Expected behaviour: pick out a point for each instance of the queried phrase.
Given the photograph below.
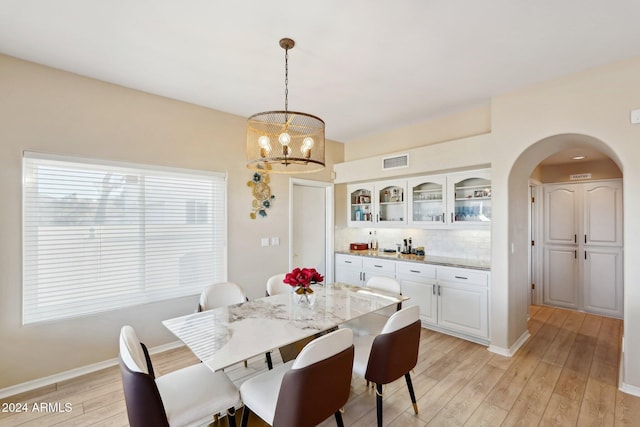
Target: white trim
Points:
(74, 373)
(511, 351)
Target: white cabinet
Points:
(418, 282)
(377, 204)
(463, 301)
(459, 199)
(356, 270)
(451, 300)
(583, 246)
(469, 194)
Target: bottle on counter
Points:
(370, 243)
(375, 241)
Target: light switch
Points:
(275, 241)
(264, 241)
(635, 116)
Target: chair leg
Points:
(411, 393)
(379, 404)
(338, 416)
(269, 362)
(245, 416)
(231, 417)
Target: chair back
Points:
(276, 286)
(318, 383)
(141, 395)
(395, 351)
(384, 283)
(221, 295)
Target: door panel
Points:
(561, 276)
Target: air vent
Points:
(395, 162)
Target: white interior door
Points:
(311, 226)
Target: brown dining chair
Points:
(391, 354)
(188, 396)
(307, 390)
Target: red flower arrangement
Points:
(302, 279)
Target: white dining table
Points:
(225, 336)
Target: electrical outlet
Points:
(635, 116)
(275, 241)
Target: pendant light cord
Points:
(286, 84)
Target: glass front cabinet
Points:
(470, 194)
(452, 200)
(377, 204)
(427, 200)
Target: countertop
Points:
(425, 259)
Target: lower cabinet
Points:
(452, 300)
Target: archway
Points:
(519, 216)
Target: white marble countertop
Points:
(424, 259)
(228, 335)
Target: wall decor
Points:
(262, 197)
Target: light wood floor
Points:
(565, 375)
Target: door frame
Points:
(329, 221)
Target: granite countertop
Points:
(424, 259)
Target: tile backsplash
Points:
(468, 244)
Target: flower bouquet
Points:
(302, 279)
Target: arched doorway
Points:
(519, 211)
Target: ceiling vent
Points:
(395, 162)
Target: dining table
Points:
(228, 335)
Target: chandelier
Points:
(285, 141)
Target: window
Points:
(99, 236)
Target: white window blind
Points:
(99, 236)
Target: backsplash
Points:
(464, 244)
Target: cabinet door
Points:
(561, 276)
(390, 203)
(349, 269)
(602, 269)
(561, 214)
(471, 196)
(602, 213)
(422, 294)
(360, 211)
(427, 196)
(463, 308)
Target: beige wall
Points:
(592, 109)
(599, 169)
(51, 111)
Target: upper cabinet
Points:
(454, 200)
(377, 204)
(427, 200)
(471, 195)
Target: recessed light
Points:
(578, 157)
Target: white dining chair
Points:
(307, 390)
(275, 285)
(372, 323)
(221, 294)
(186, 397)
(391, 354)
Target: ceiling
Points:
(363, 66)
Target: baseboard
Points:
(509, 352)
(73, 373)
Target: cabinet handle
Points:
(438, 290)
(452, 217)
(585, 255)
(347, 262)
(575, 238)
(575, 254)
(461, 277)
(415, 271)
(443, 217)
(433, 289)
(377, 217)
(585, 239)
(377, 266)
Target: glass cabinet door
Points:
(391, 203)
(472, 200)
(360, 205)
(427, 204)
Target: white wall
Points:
(46, 110)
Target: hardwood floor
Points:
(565, 375)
